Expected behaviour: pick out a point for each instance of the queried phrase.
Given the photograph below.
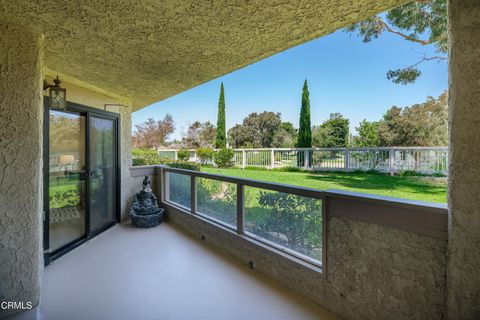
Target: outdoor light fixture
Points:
(66, 160)
(58, 95)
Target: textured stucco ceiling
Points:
(149, 50)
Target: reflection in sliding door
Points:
(102, 172)
(67, 183)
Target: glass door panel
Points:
(66, 183)
(102, 172)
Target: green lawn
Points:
(432, 189)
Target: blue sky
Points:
(344, 75)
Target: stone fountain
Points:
(145, 212)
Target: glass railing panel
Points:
(218, 200)
(179, 189)
(287, 220)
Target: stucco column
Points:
(463, 270)
(127, 189)
(21, 110)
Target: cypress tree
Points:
(221, 138)
(305, 130)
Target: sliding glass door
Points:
(81, 176)
(67, 183)
(102, 172)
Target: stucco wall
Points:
(464, 172)
(21, 112)
(373, 272)
(125, 159)
(376, 272)
(21, 141)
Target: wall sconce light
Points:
(58, 95)
(67, 160)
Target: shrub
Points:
(364, 172)
(65, 198)
(138, 162)
(292, 221)
(217, 199)
(290, 169)
(184, 165)
(137, 152)
(205, 155)
(411, 173)
(224, 158)
(146, 160)
(183, 155)
(254, 168)
(145, 157)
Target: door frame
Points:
(87, 111)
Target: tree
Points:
(424, 124)
(239, 136)
(65, 133)
(412, 22)
(257, 131)
(305, 130)
(153, 134)
(333, 133)
(285, 136)
(200, 135)
(221, 138)
(367, 134)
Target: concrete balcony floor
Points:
(161, 273)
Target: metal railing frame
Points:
(424, 218)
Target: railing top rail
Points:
(279, 187)
(324, 149)
(431, 207)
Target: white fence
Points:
(427, 160)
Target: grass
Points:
(431, 189)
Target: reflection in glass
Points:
(66, 178)
(102, 172)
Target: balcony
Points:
(162, 273)
(368, 257)
(380, 258)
